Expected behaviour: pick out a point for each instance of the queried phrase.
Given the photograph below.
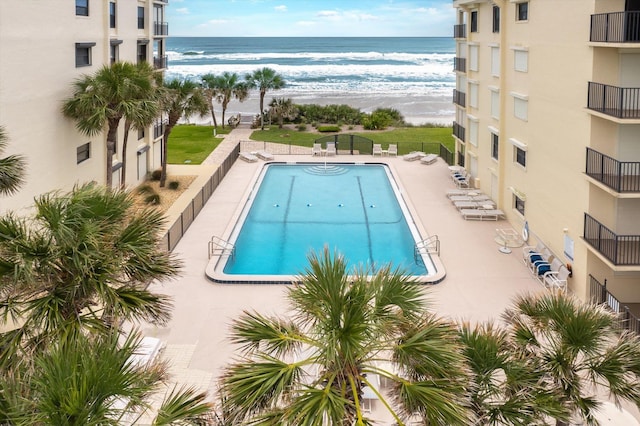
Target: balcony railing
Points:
(160, 28)
(460, 31)
(459, 98)
(619, 249)
(617, 27)
(460, 159)
(622, 176)
(599, 295)
(458, 131)
(460, 64)
(618, 102)
(158, 129)
(160, 62)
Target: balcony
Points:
(158, 129)
(459, 98)
(621, 176)
(617, 27)
(619, 102)
(160, 62)
(621, 250)
(460, 31)
(160, 28)
(460, 64)
(628, 314)
(458, 131)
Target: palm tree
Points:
(180, 98)
(210, 91)
(506, 389)
(230, 87)
(144, 111)
(95, 381)
(12, 168)
(81, 263)
(281, 108)
(579, 349)
(264, 79)
(103, 99)
(343, 333)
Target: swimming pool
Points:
(356, 209)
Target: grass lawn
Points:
(192, 144)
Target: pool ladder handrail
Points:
(220, 247)
(430, 245)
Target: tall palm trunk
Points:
(123, 175)
(172, 121)
(112, 137)
(224, 109)
(262, 93)
(213, 114)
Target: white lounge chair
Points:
(248, 157)
(331, 148)
(392, 150)
(377, 149)
(464, 191)
(485, 205)
(481, 214)
(265, 155)
(429, 159)
(479, 197)
(317, 149)
(413, 156)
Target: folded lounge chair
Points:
(248, 157)
(413, 156)
(485, 205)
(331, 148)
(392, 150)
(479, 197)
(482, 214)
(429, 159)
(464, 191)
(377, 149)
(265, 155)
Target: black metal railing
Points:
(619, 249)
(618, 102)
(460, 158)
(459, 98)
(160, 62)
(598, 295)
(158, 129)
(622, 176)
(460, 31)
(616, 27)
(160, 28)
(460, 64)
(458, 131)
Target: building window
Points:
(521, 60)
(140, 133)
(474, 21)
(495, 146)
(522, 11)
(142, 50)
(495, 61)
(520, 107)
(113, 53)
(82, 7)
(473, 132)
(521, 156)
(112, 14)
(496, 19)
(83, 54)
(141, 17)
(518, 204)
(473, 58)
(495, 104)
(473, 95)
(83, 152)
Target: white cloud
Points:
(305, 23)
(218, 21)
(281, 8)
(327, 13)
(182, 11)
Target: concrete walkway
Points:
(480, 280)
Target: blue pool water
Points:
(298, 208)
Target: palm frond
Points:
(184, 406)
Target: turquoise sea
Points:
(412, 74)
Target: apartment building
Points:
(44, 47)
(548, 123)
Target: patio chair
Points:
(557, 279)
(429, 159)
(541, 265)
(377, 149)
(265, 155)
(529, 251)
(413, 156)
(248, 157)
(317, 149)
(392, 150)
(331, 148)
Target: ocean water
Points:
(414, 75)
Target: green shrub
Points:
(378, 120)
(302, 127)
(145, 189)
(174, 184)
(324, 129)
(156, 174)
(152, 199)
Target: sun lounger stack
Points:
(482, 214)
(480, 205)
(413, 156)
(248, 157)
(429, 159)
(265, 155)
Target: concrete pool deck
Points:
(480, 281)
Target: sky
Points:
(310, 18)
